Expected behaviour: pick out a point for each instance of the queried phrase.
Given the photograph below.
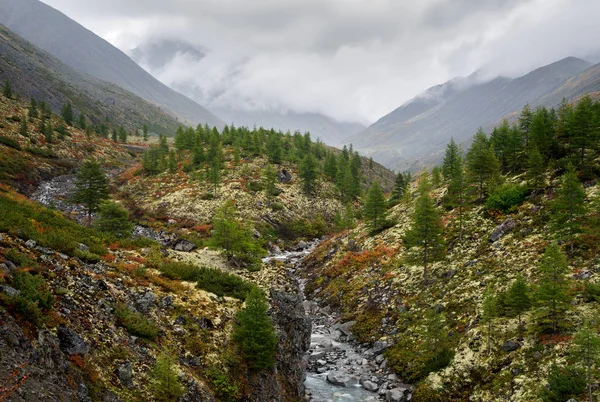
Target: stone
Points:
(302, 245)
(346, 327)
(321, 362)
(83, 247)
(397, 395)
(10, 265)
(316, 356)
(502, 229)
(510, 346)
(145, 301)
(166, 301)
(283, 176)
(185, 246)
(124, 373)
(379, 359)
(341, 378)
(370, 386)
(352, 246)
(30, 244)
(438, 308)
(71, 343)
(378, 348)
(4, 270)
(392, 377)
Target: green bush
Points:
(210, 279)
(9, 142)
(254, 186)
(44, 153)
(19, 259)
(86, 256)
(165, 384)
(563, 384)
(591, 291)
(506, 197)
(224, 388)
(33, 288)
(114, 219)
(135, 323)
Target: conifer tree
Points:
(309, 173)
(145, 133)
(568, 208)
(535, 168)
(165, 382)
(254, 333)
(49, 133)
(586, 349)
(24, 131)
(274, 151)
(172, 162)
(81, 121)
(7, 90)
(525, 120)
(584, 128)
(551, 297)
(400, 186)
(518, 300)
(452, 160)
(67, 113)
(115, 135)
(348, 218)
(32, 111)
(122, 134)
(375, 208)
(236, 155)
(489, 312)
(331, 169)
(436, 177)
(482, 164)
(456, 195)
(198, 155)
(91, 187)
(114, 219)
(426, 229)
(269, 176)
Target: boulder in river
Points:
(397, 395)
(341, 378)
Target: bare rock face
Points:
(502, 229)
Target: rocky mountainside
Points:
(81, 49)
(34, 73)
(414, 135)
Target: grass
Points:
(210, 279)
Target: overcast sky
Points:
(353, 60)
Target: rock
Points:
(284, 176)
(470, 263)
(302, 245)
(510, 346)
(30, 244)
(124, 373)
(379, 359)
(184, 245)
(346, 327)
(379, 347)
(256, 234)
(370, 386)
(316, 356)
(145, 301)
(583, 275)
(352, 246)
(438, 308)
(392, 377)
(537, 356)
(502, 229)
(341, 378)
(397, 395)
(4, 270)
(449, 274)
(10, 265)
(101, 285)
(71, 343)
(166, 302)
(83, 247)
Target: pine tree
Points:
(269, 176)
(81, 121)
(586, 349)
(330, 169)
(584, 128)
(400, 186)
(165, 382)
(568, 209)
(32, 111)
(236, 155)
(535, 168)
(24, 129)
(518, 299)
(91, 187)
(375, 208)
(114, 219)
(426, 229)
(274, 149)
(67, 113)
(525, 120)
(254, 333)
(115, 135)
(309, 173)
(452, 160)
(172, 162)
(436, 177)
(145, 133)
(489, 312)
(551, 296)
(122, 134)
(49, 133)
(347, 220)
(482, 164)
(7, 90)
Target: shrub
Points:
(563, 383)
(44, 153)
(9, 142)
(254, 186)
(506, 197)
(135, 323)
(34, 289)
(114, 219)
(223, 387)
(19, 259)
(165, 383)
(210, 279)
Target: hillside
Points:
(84, 51)
(35, 73)
(414, 135)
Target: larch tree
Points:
(488, 313)
(375, 210)
(309, 172)
(518, 299)
(426, 229)
(91, 187)
(67, 113)
(586, 349)
(482, 164)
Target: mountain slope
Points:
(415, 134)
(34, 73)
(83, 50)
(156, 56)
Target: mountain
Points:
(155, 56)
(415, 134)
(35, 73)
(81, 49)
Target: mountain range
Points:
(414, 135)
(86, 52)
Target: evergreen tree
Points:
(122, 134)
(568, 209)
(115, 136)
(145, 133)
(525, 121)
(274, 151)
(375, 209)
(400, 186)
(198, 156)
(542, 132)
(456, 195)
(489, 312)
(114, 219)
(269, 176)
(91, 187)
(452, 160)
(214, 173)
(347, 220)
(32, 111)
(172, 162)
(67, 113)
(165, 382)
(152, 160)
(81, 121)
(518, 300)
(331, 169)
(584, 128)
(7, 90)
(551, 296)
(24, 131)
(254, 333)
(436, 176)
(49, 133)
(587, 350)
(482, 164)
(426, 229)
(535, 168)
(309, 173)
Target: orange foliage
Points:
(554, 339)
(380, 255)
(204, 229)
(109, 257)
(77, 360)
